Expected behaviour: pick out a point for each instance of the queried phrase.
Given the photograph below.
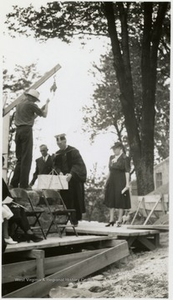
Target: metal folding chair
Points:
(23, 198)
(60, 215)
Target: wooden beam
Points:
(147, 243)
(45, 77)
(152, 210)
(56, 241)
(40, 257)
(130, 240)
(20, 271)
(82, 269)
(140, 200)
(152, 227)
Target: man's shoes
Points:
(74, 223)
(10, 241)
(34, 238)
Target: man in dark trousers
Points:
(68, 161)
(44, 164)
(26, 112)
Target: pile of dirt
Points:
(142, 274)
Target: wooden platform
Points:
(57, 261)
(56, 241)
(152, 227)
(43, 270)
(149, 238)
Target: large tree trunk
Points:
(141, 143)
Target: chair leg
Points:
(37, 221)
(57, 227)
(74, 229)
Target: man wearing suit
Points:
(44, 164)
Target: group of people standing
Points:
(67, 161)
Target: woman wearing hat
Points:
(117, 185)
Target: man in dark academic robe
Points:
(44, 164)
(68, 161)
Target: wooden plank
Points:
(151, 200)
(157, 240)
(148, 227)
(163, 221)
(45, 77)
(100, 229)
(82, 269)
(140, 200)
(147, 243)
(152, 210)
(24, 270)
(56, 241)
(131, 240)
(58, 263)
(18, 271)
(40, 257)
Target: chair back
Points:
(29, 199)
(20, 196)
(53, 199)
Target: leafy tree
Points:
(123, 22)
(94, 197)
(105, 110)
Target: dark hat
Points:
(61, 136)
(117, 145)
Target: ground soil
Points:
(143, 274)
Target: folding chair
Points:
(60, 215)
(22, 198)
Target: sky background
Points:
(74, 89)
(75, 86)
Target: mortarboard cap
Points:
(61, 136)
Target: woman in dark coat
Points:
(117, 185)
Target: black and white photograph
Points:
(86, 149)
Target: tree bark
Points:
(141, 142)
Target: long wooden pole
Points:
(34, 86)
